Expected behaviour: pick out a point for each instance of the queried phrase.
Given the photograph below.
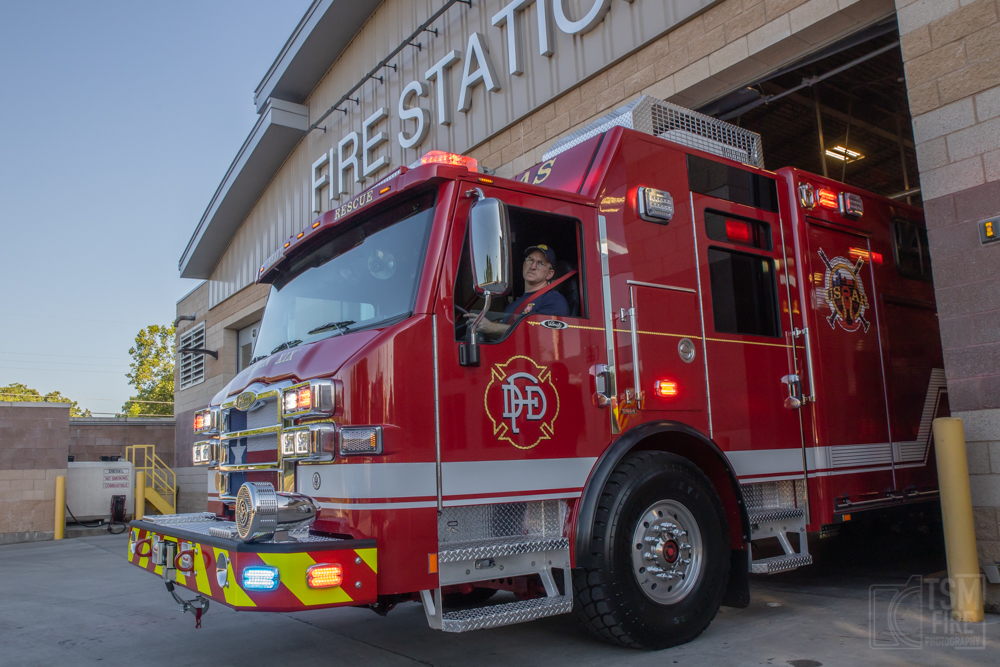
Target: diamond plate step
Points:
(502, 547)
(509, 613)
(782, 563)
(765, 514)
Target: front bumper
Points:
(213, 566)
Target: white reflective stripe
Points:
(511, 499)
(758, 462)
(462, 478)
(370, 480)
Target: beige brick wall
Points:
(34, 441)
(221, 325)
(732, 43)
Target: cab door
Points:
(522, 425)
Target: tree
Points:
(22, 393)
(152, 372)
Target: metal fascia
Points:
(326, 29)
(276, 133)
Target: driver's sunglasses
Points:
(536, 262)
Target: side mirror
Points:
(489, 235)
(489, 238)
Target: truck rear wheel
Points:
(660, 541)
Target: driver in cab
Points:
(538, 270)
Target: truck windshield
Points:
(364, 276)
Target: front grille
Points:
(256, 449)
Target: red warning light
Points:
(827, 199)
(666, 388)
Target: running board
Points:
(777, 522)
(473, 563)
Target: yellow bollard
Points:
(60, 531)
(140, 495)
(959, 527)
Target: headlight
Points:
(201, 453)
(309, 399)
(313, 441)
(208, 420)
(360, 440)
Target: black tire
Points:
(608, 598)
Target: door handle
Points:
(794, 400)
(604, 385)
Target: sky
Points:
(117, 123)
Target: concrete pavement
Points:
(77, 602)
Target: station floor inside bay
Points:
(77, 602)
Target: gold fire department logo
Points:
(521, 392)
(245, 400)
(845, 293)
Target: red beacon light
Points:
(442, 157)
(827, 199)
(666, 388)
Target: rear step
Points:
(777, 522)
(500, 559)
(782, 563)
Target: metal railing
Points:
(159, 477)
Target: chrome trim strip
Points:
(437, 412)
(258, 467)
(609, 318)
(701, 311)
(264, 430)
(639, 283)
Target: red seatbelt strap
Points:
(534, 297)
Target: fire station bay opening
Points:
(841, 112)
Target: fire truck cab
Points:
(745, 357)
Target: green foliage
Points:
(152, 372)
(22, 393)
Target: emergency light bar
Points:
(849, 204)
(441, 157)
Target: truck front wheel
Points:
(662, 554)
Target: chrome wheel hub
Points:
(667, 554)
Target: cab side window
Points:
(528, 228)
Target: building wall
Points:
(93, 437)
(732, 42)
(953, 81)
(34, 446)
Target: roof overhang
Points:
(278, 130)
(317, 41)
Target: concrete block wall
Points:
(34, 441)
(192, 485)
(93, 437)
(953, 82)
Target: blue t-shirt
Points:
(550, 303)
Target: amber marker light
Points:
(827, 199)
(385, 189)
(316, 224)
(666, 388)
(288, 243)
(325, 575)
(487, 181)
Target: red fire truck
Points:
(749, 357)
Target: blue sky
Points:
(118, 122)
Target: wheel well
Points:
(675, 438)
(715, 468)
